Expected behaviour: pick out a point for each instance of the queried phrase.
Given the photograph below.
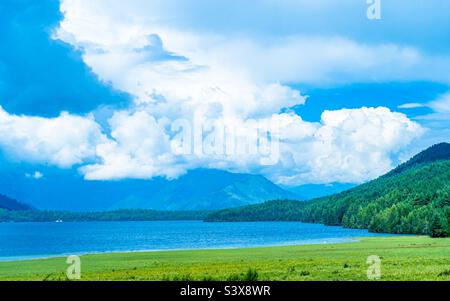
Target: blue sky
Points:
(95, 87)
(40, 75)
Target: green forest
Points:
(412, 199)
(118, 215)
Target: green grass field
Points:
(403, 258)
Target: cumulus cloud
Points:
(345, 146)
(353, 146)
(138, 148)
(179, 75)
(176, 72)
(62, 141)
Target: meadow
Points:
(402, 258)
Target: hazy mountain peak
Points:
(11, 204)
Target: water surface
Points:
(38, 240)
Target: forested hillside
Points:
(280, 210)
(416, 201)
(412, 199)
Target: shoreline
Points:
(328, 241)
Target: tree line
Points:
(414, 201)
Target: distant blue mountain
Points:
(312, 191)
(198, 190)
(7, 203)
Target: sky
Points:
(115, 90)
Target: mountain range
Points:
(200, 189)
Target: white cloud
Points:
(138, 148)
(412, 105)
(442, 104)
(63, 141)
(439, 119)
(179, 73)
(111, 35)
(356, 145)
(438, 123)
(37, 175)
(346, 146)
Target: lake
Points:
(38, 240)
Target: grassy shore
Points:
(403, 258)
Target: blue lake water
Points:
(37, 240)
